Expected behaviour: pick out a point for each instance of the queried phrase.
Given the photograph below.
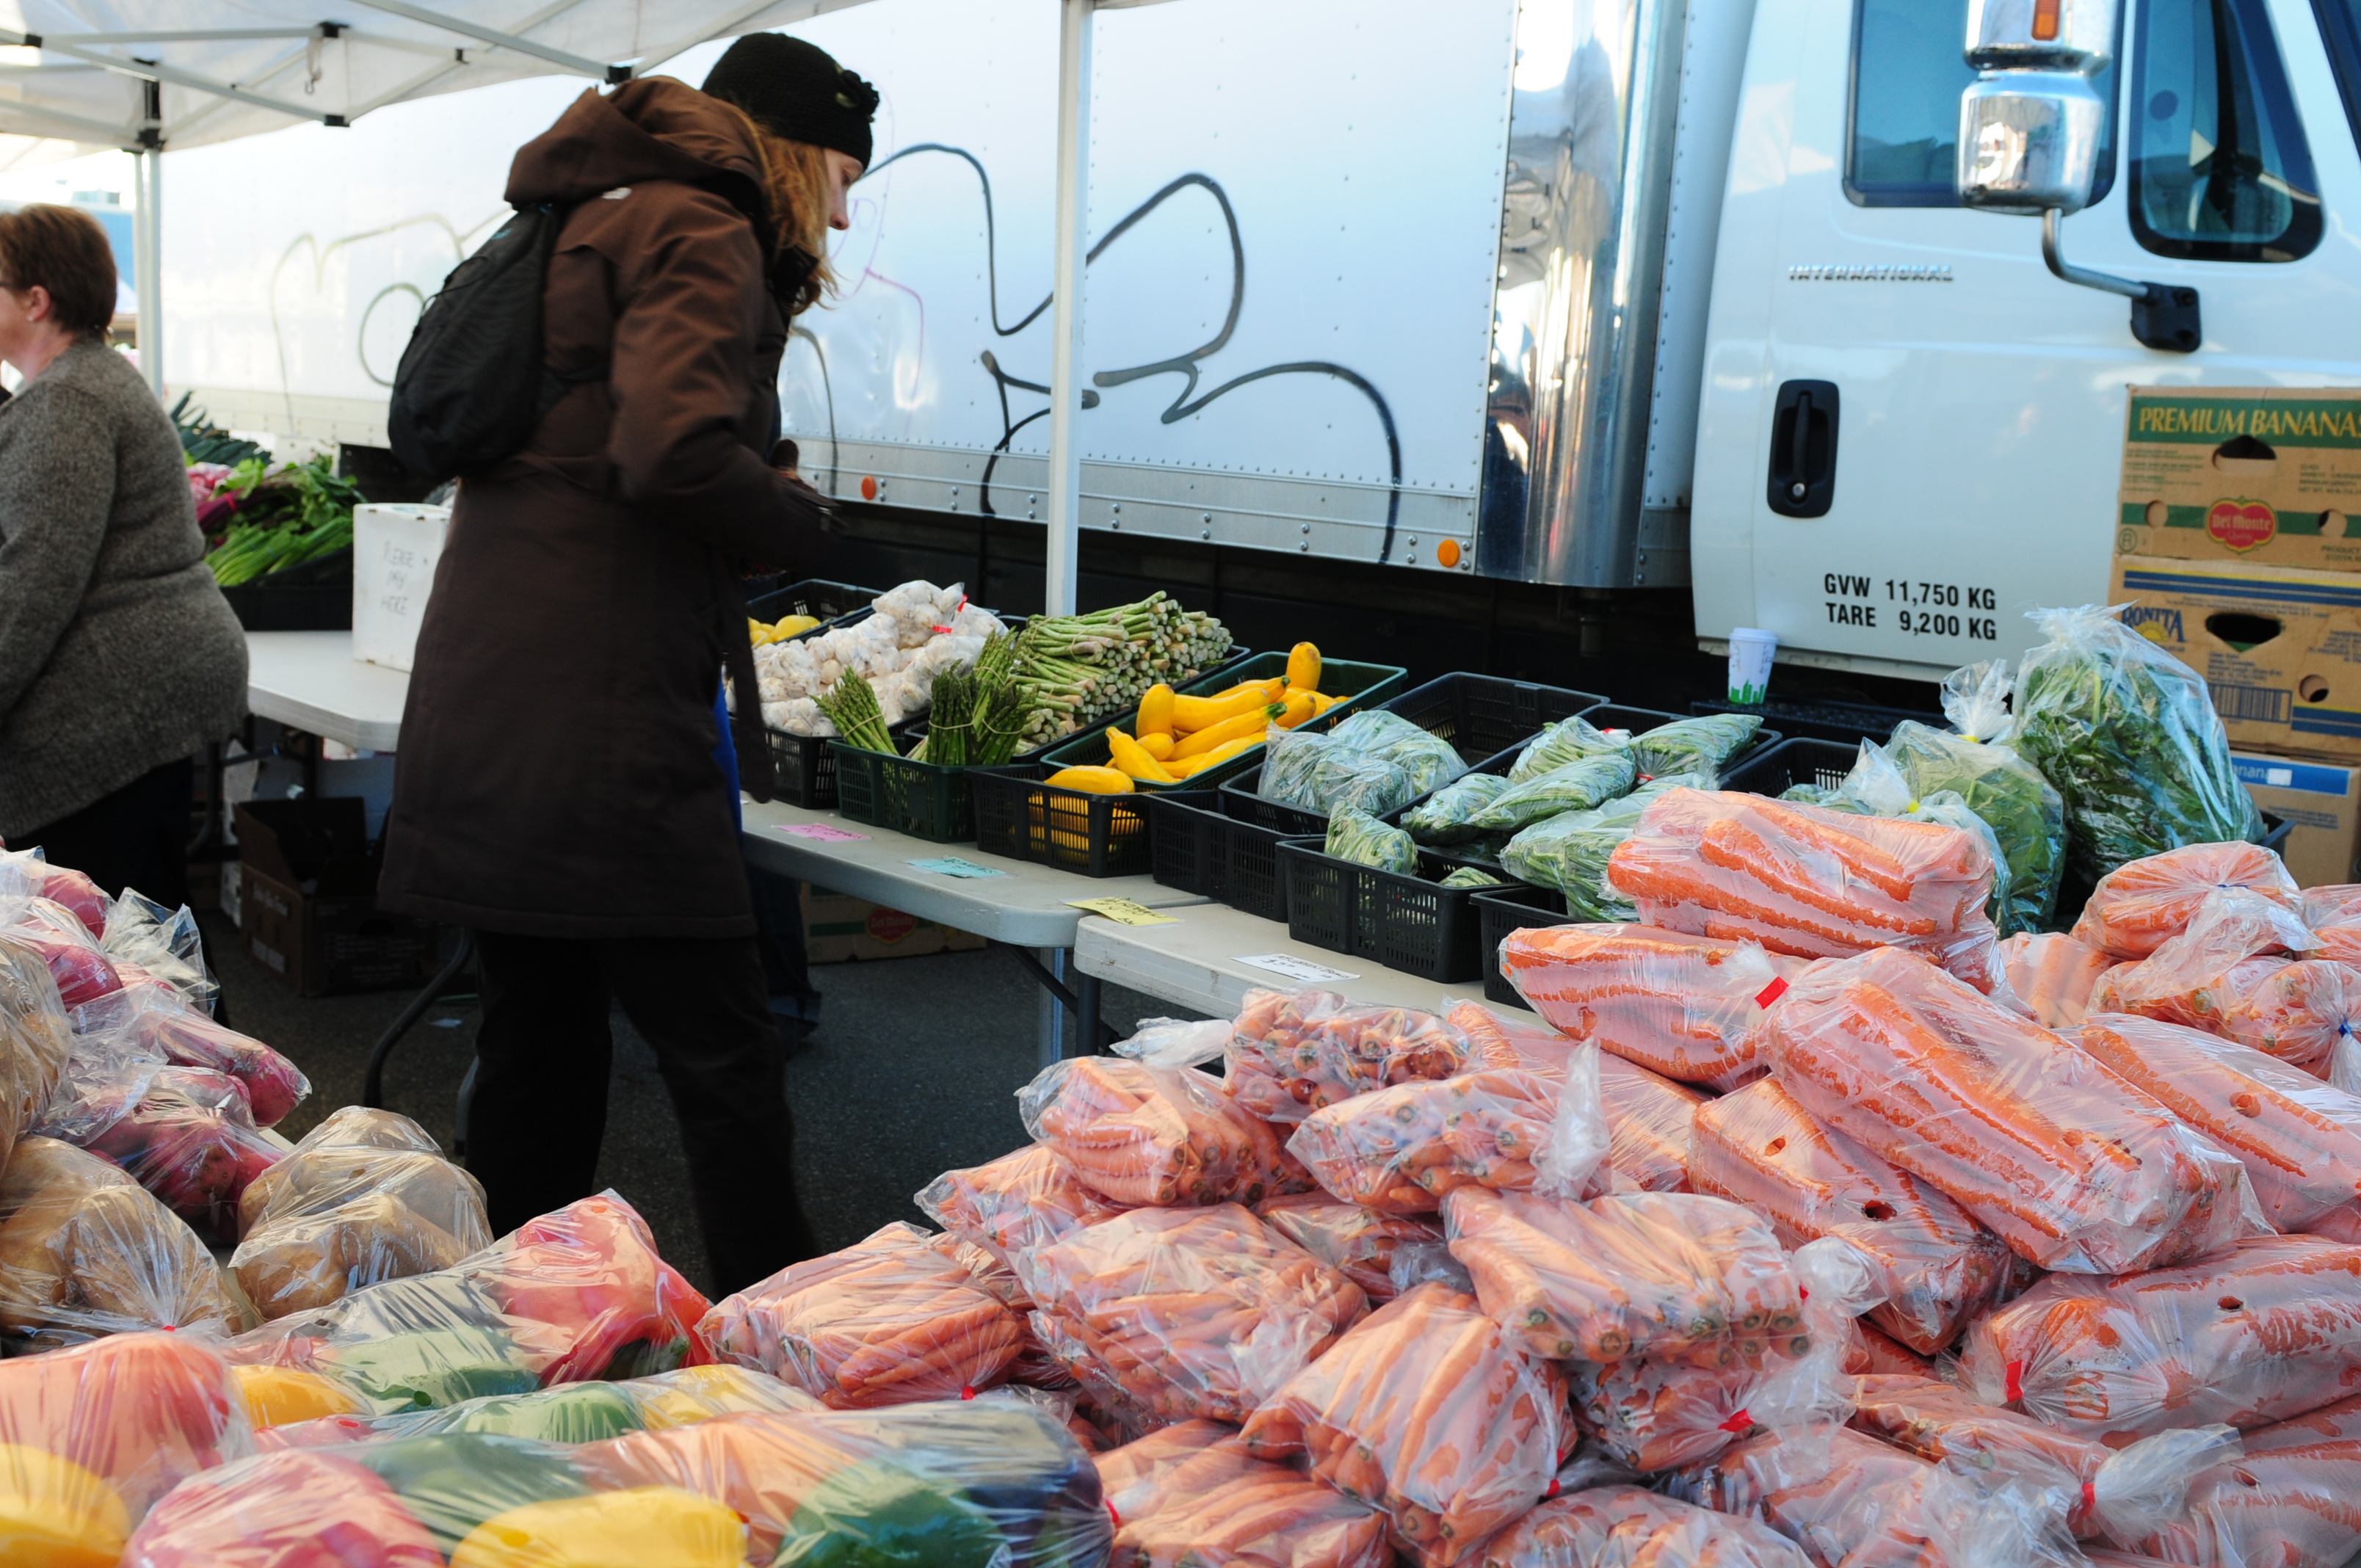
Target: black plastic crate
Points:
(1018, 816)
(1774, 770)
(813, 596)
(926, 800)
(1199, 843)
(1845, 721)
(803, 767)
(316, 596)
(1408, 922)
(1500, 910)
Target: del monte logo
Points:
(2242, 524)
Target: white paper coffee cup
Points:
(1751, 648)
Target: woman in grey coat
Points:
(119, 658)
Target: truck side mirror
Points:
(2030, 129)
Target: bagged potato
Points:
(86, 1251)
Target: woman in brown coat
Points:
(555, 789)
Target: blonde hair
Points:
(796, 199)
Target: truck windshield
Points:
(2220, 167)
(1909, 66)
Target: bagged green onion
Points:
(1361, 839)
(1567, 741)
(1703, 745)
(1442, 817)
(1578, 786)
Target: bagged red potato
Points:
(2071, 1167)
(1019, 1201)
(1400, 1150)
(1668, 1276)
(1194, 1497)
(1153, 1137)
(85, 1251)
(1630, 1527)
(142, 1025)
(1677, 1004)
(1935, 1267)
(2052, 974)
(29, 873)
(1185, 1312)
(2287, 1500)
(1358, 1242)
(183, 1133)
(1810, 881)
(75, 961)
(2299, 1138)
(1428, 1411)
(1291, 1052)
(888, 1321)
(35, 1041)
(2144, 904)
(2264, 1329)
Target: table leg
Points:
(1052, 1037)
(1086, 1015)
(373, 1082)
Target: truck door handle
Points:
(1804, 449)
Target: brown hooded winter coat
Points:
(555, 775)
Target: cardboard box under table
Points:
(308, 904)
(839, 927)
(2269, 476)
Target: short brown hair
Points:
(65, 251)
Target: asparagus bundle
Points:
(975, 716)
(1081, 670)
(851, 706)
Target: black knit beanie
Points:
(796, 90)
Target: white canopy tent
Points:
(147, 75)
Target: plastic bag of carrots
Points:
(2070, 1166)
(2051, 975)
(1870, 1352)
(1023, 1200)
(1935, 1267)
(1358, 1242)
(2287, 1501)
(2121, 1495)
(1494, 1041)
(1428, 1411)
(1668, 1276)
(1290, 1053)
(1400, 1150)
(2144, 904)
(1648, 1115)
(2334, 912)
(1192, 1495)
(1622, 1526)
(1153, 1137)
(1186, 1312)
(2233, 940)
(1809, 882)
(2265, 1330)
(1678, 1004)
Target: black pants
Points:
(544, 1055)
(137, 836)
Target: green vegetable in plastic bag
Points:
(1361, 839)
(1429, 760)
(1703, 745)
(1578, 786)
(1442, 817)
(1472, 876)
(1814, 794)
(2129, 737)
(1569, 852)
(1567, 741)
(1372, 761)
(1982, 764)
(877, 1515)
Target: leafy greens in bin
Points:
(1361, 839)
(1579, 785)
(2128, 735)
(1569, 851)
(1567, 741)
(1373, 762)
(1446, 816)
(1703, 746)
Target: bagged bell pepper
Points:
(1935, 1267)
(2263, 1331)
(85, 1251)
(1400, 1150)
(590, 1272)
(1290, 1053)
(138, 1024)
(1356, 1241)
(186, 1133)
(2287, 1501)
(1668, 1276)
(93, 1435)
(1141, 1135)
(1428, 1411)
(1630, 1527)
(887, 1321)
(75, 961)
(1186, 1312)
(1023, 1200)
(2051, 976)
(284, 1510)
(2068, 1164)
(2144, 904)
(570, 1413)
(1678, 1004)
(1194, 1497)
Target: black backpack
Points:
(471, 386)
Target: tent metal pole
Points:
(467, 28)
(1066, 319)
(152, 71)
(148, 263)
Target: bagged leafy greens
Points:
(1705, 745)
(1442, 817)
(1578, 786)
(1472, 876)
(1978, 759)
(2128, 735)
(1373, 761)
(1569, 852)
(1361, 839)
(1567, 741)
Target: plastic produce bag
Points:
(991, 1480)
(2286, 1501)
(1373, 761)
(1194, 1497)
(1703, 745)
(1679, 1004)
(2070, 1166)
(888, 1321)
(2264, 1329)
(2233, 940)
(1651, 1123)
(1935, 1266)
(1290, 1053)
(1471, 876)
(2119, 1494)
(568, 1413)
(28, 873)
(1427, 1410)
(1809, 882)
(183, 1133)
(1664, 1275)
(80, 966)
(1399, 1150)
(1358, 1242)
(1567, 741)
(1014, 1203)
(1872, 1353)
(35, 1041)
(1880, 789)
(1185, 1313)
(2051, 976)
(1976, 758)
(1630, 1527)
(1148, 1135)
(85, 1251)
(2129, 736)
(162, 943)
(1581, 786)
(1494, 1041)
(2139, 907)
(1570, 852)
(141, 1023)
(1356, 837)
(1444, 817)
(332, 1217)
